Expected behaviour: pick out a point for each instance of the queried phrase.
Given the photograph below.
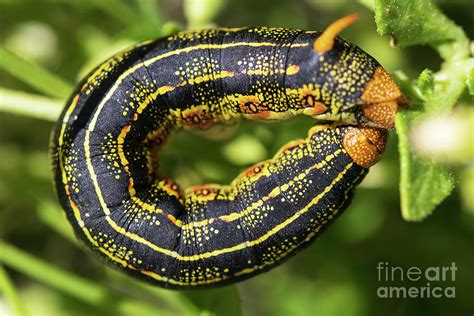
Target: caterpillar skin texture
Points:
(106, 170)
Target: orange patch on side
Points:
(84, 86)
(307, 96)
(365, 145)
(249, 104)
(123, 132)
(253, 170)
(196, 118)
(317, 108)
(253, 173)
(203, 192)
(256, 171)
(170, 187)
(131, 188)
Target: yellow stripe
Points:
(210, 77)
(250, 270)
(240, 246)
(73, 205)
(90, 167)
(274, 193)
(177, 52)
(105, 209)
(123, 134)
(139, 239)
(114, 258)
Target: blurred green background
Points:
(48, 274)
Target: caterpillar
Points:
(104, 149)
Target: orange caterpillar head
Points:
(381, 99)
(365, 145)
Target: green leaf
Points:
(150, 11)
(368, 3)
(10, 294)
(245, 150)
(221, 301)
(412, 22)
(87, 291)
(52, 216)
(426, 82)
(32, 105)
(424, 183)
(470, 80)
(34, 75)
(201, 13)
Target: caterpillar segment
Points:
(104, 147)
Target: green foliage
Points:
(10, 293)
(200, 13)
(470, 80)
(24, 103)
(420, 22)
(317, 280)
(84, 290)
(423, 183)
(34, 75)
(245, 150)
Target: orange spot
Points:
(308, 97)
(131, 188)
(196, 117)
(170, 187)
(204, 192)
(325, 41)
(249, 104)
(365, 145)
(317, 108)
(254, 170)
(84, 86)
(292, 70)
(123, 132)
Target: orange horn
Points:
(325, 41)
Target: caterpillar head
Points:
(381, 99)
(351, 85)
(365, 144)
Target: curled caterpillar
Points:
(104, 148)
